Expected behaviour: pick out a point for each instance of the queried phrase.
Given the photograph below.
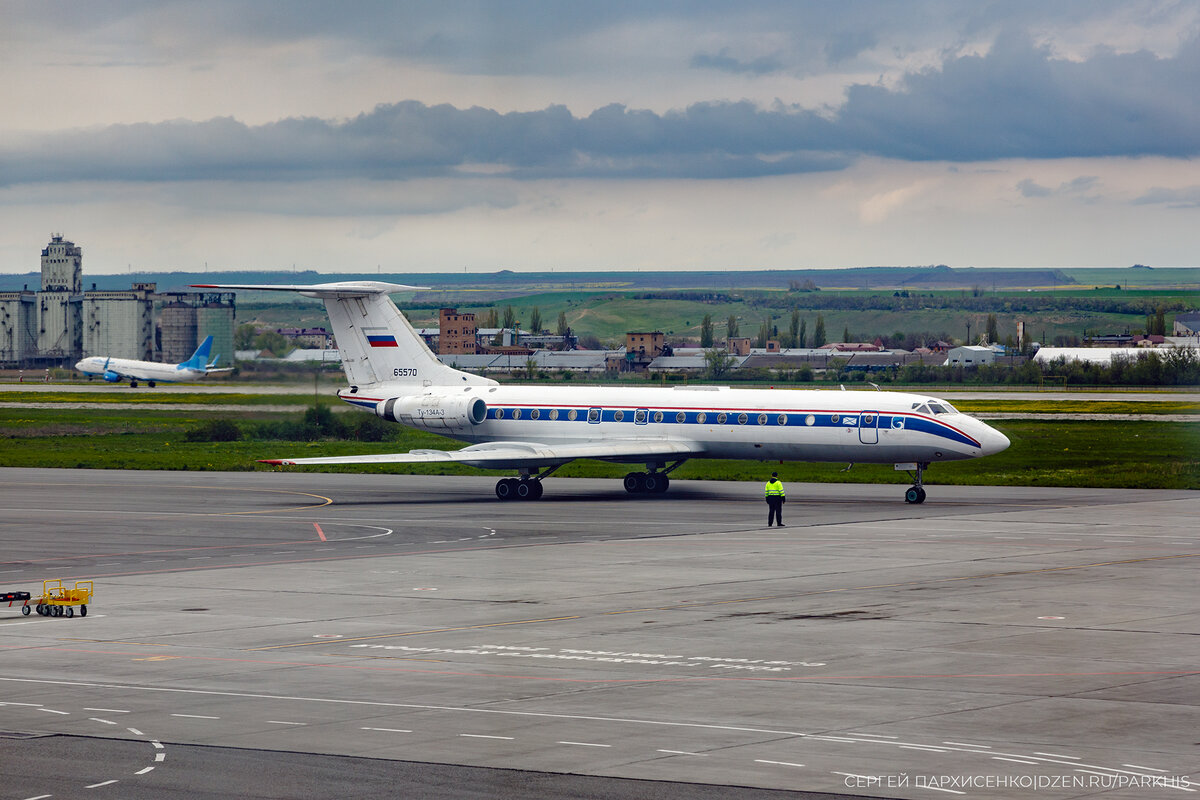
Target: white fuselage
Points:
(761, 424)
(115, 369)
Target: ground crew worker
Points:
(775, 500)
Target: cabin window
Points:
(554, 413)
(593, 415)
(535, 413)
(868, 419)
(701, 417)
(516, 413)
(681, 417)
(834, 418)
(810, 420)
(618, 416)
(639, 416)
(658, 416)
(742, 418)
(721, 418)
(782, 419)
(498, 413)
(572, 415)
(762, 419)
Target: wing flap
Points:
(514, 455)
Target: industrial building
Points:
(61, 323)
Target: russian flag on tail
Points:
(379, 337)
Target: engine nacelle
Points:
(111, 376)
(433, 412)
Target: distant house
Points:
(971, 355)
(1187, 324)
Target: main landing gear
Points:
(653, 482)
(916, 492)
(647, 483)
(519, 489)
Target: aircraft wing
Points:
(514, 455)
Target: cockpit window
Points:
(922, 409)
(935, 408)
(942, 407)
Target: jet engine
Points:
(111, 376)
(433, 412)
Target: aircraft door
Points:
(868, 427)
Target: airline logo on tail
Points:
(379, 337)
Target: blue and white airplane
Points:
(536, 429)
(115, 370)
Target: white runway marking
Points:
(389, 730)
(194, 716)
(105, 721)
(143, 770)
(968, 744)
(1056, 755)
(683, 753)
(1015, 760)
(281, 722)
(1136, 766)
(52, 711)
(109, 710)
(98, 785)
(485, 736)
(160, 756)
(777, 763)
(586, 744)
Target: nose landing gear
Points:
(916, 492)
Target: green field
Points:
(1117, 454)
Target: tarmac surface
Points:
(336, 635)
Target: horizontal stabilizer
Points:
(322, 290)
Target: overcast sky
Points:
(451, 136)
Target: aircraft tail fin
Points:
(377, 344)
(199, 359)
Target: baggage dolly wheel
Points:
(25, 610)
(83, 611)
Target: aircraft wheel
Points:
(664, 483)
(133, 384)
(652, 481)
(150, 384)
(523, 490)
(83, 611)
(536, 490)
(25, 610)
(914, 494)
(505, 488)
(921, 497)
(635, 482)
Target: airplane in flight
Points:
(115, 370)
(537, 429)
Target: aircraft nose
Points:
(993, 441)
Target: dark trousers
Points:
(774, 510)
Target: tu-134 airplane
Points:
(115, 370)
(536, 429)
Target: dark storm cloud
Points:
(1019, 102)
(724, 62)
(1015, 102)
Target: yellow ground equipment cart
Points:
(59, 601)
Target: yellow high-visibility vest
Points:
(774, 489)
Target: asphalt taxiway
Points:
(301, 634)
